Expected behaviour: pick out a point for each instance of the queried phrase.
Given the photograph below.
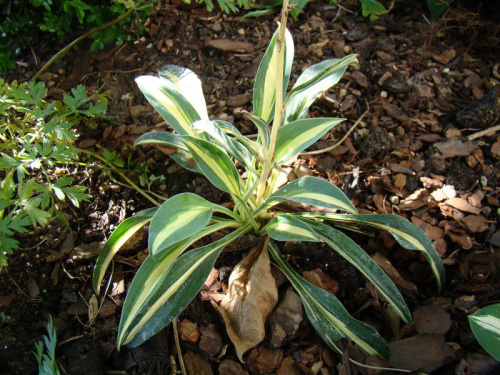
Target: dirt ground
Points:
(425, 91)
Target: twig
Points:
(484, 132)
(178, 346)
(379, 368)
(330, 148)
(68, 47)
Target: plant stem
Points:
(68, 47)
(129, 181)
(278, 107)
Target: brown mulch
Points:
(428, 93)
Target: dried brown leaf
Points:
(189, 331)
(321, 280)
(251, 297)
(389, 269)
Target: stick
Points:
(484, 132)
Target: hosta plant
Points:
(247, 170)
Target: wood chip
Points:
(230, 45)
(462, 205)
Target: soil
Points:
(416, 82)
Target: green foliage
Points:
(436, 7)
(26, 22)
(174, 272)
(47, 361)
(485, 325)
(36, 144)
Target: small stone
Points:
(286, 318)
(33, 289)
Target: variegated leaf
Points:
(166, 98)
(300, 134)
(118, 238)
(168, 290)
(216, 165)
(313, 82)
(161, 138)
(265, 81)
(407, 234)
(350, 251)
(326, 313)
(189, 85)
(314, 191)
(289, 228)
(177, 219)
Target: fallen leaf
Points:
(416, 200)
(462, 240)
(189, 331)
(432, 319)
(5, 301)
(252, 296)
(445, 57)
(321, 280)
(426, 352)
(389, 269)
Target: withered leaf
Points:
(252, 296)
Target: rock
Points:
(432, 319)
(286, 318)
(426, 352)
(33, 289)
(495, 239)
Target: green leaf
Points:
(161, 138)
(265, 81)
(177, 219)
(262, 128)
(118, 238)
(215, 164)
(189, 86)
(326, 313)
(289, 228)
(168, 291)
(298, 135)
(407, 234)
(436, 7)
(314, 191)
(350, 251)
(167, 98)
(371, 8)
(485, 325)
(312, 83)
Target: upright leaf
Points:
(312, 83)
(289, 228)
(485, 325)
(251, 297)
(326, 313)
(265, 80)
(189, 85)
(118, 238)
(300, 134)
(177, 219)
(215, 164)
(167, 98)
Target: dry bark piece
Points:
(230, 45)
(418, 199)
(262, 360)
(251, 297)
(475, 223)
(189, 331)
(196, 364)
(426, 352)
(285, 319)
(287, 367)
(211, 340)
(462, 205)
(454, 147)
(230, 367)
(432, 319)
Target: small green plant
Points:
(485, 325)
(174, 272)
(36, 146)
(26, 21)
(47, 364)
